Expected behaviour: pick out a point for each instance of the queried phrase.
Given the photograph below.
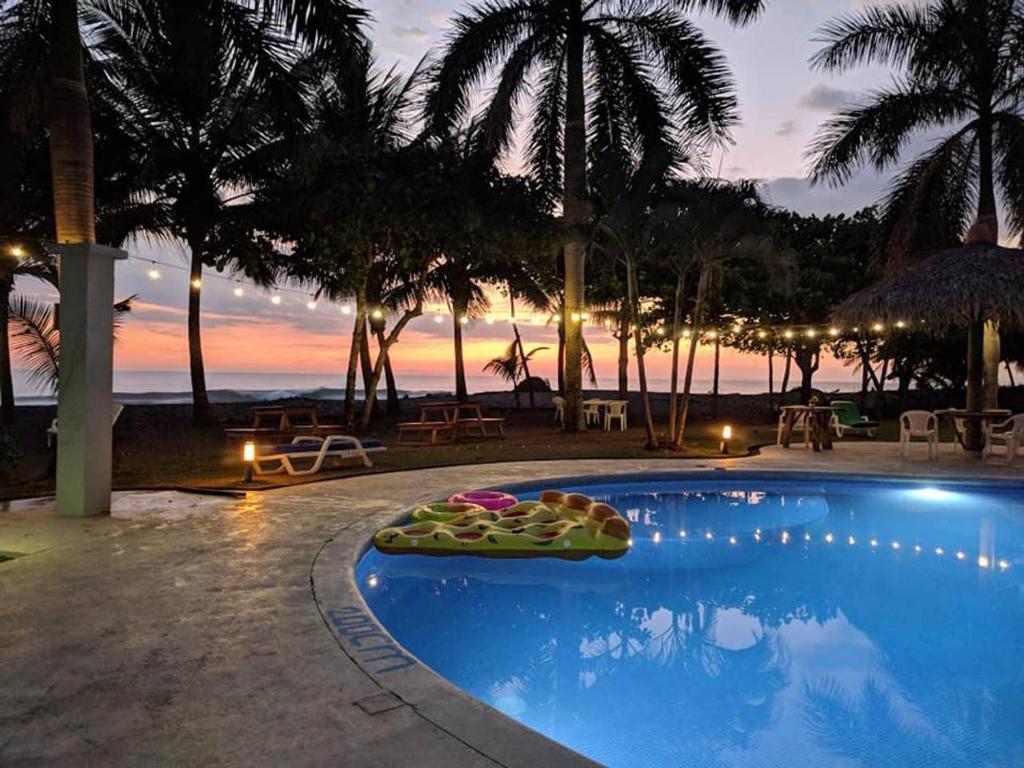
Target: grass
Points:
(157, 447)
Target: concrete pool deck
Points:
(212, 630)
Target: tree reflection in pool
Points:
(756, 624)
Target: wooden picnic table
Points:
(957, 415)
(818, 419)
(447, 421)
(277, 421)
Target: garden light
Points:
(248, 456)
(726, 437)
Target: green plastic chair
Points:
(847, 419)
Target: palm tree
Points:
(640, 70)
(513, 365)
(959, 64)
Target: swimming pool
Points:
(755, 622)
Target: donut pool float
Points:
(564, 525)
(495, 501)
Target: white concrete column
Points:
(85, 389)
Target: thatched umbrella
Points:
(966, 286)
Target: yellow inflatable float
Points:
(566, 525)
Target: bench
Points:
(430, 432)
(481, 426)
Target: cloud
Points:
(416, 35)
(825, 98)
(786, 128)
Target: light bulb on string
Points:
(489, 320)
(16, 251)
(346, 309)
(833, 332)
(438, 319)
(463, 320)
(810, 333)
(788, 334)
(239, 291)
(311, 305)
(377, 314)
(196, 283)
(275, 299)
(153, 272)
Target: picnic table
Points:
(447, 421)
(957, 416)
(818, 420)
(272, 422)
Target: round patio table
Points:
(818, 419)
(956, 415)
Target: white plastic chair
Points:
(615, 410)
(51, 431)
(1010, 433)
(801, 424)
(559, 402)
(919, 424)
(592, 413)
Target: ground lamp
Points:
(726, 437)
(248, 456)
(969, 286)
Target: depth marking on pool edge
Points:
(354, 626)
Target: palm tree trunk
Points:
(1009, 373)
(677, 320)
(70, 127)
(6, 376)
(201, 411)
(987, 212)
(638, 342)
(366, 364)
(561, 356)
(459, 309)
(522, 355)
(623, 354)
(975, 383)
(394, 406)
(378, 367)
(575, 213)
(691, 357)
(718, 368)
(771, 380)
(358, 328)
(785, 374)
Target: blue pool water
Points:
(795, 623)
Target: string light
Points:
(311, 305)
(275, 299)
(197, 283)
(239, 291)
(489, 320)
(153, 273)
(16, 251)
(788, 334)
(463, 320)
(438, 319)
(377, 314)
(346, 309)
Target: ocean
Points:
(132, 386)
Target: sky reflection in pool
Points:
(754, 624)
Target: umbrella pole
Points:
(975, 387)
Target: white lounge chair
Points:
(51, 431)
(919, 424)
(801, 424)
(315, 450)
(1010, 433)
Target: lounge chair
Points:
(315, 450)
(51, 431)
(1010, 433)
(923, 424)
(847, 418)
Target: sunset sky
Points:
(782, 104)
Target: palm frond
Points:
(35, 340)
(1010, 152)
(888, 34)
(877, 130)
